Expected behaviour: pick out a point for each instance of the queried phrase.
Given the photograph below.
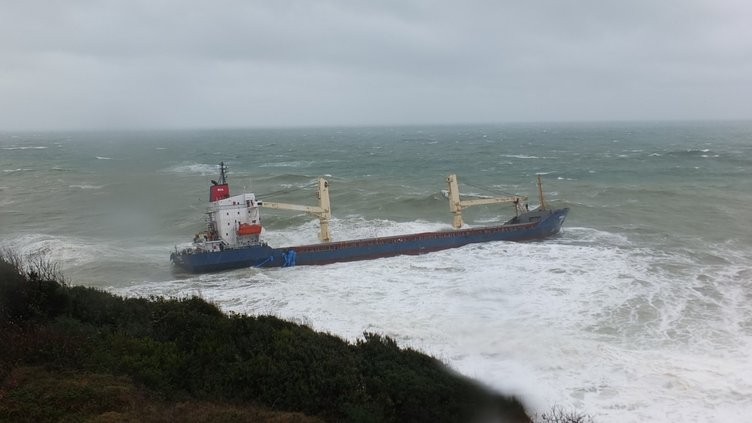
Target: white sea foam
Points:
(294, 164)
(192, 167)
(84, 186)
(522, 156)
(586, 320)
(75, 252)
(25, 147)
(67, 250)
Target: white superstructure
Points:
(236, 220)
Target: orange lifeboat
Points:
(248, 229)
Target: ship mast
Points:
(323, 212)
(456, 205)
(540, 193)
(222, 177)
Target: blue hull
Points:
(541, 225)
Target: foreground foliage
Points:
(560, 415)
(188, 351)
(34, 394)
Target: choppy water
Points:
(640, 310)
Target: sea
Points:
(639, 310)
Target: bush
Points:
(26, 292)
(188, 348)
(560, 415)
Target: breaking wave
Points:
(29, 147)
(199, 168)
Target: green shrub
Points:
(24, 297)
(188, 348)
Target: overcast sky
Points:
(79, 64)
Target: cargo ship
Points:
(232, 238)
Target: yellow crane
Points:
(323, 212)
(456, 205)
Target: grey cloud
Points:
(81, 64)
